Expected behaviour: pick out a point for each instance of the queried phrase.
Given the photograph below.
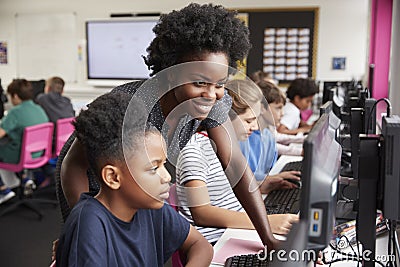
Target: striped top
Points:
(198, 161)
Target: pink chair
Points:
(36, 139)
(64, 129)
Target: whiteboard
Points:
(46, 46)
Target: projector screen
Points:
(115, 48)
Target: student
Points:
(258, 146)
(126, 223)
(53, 102)
(24, 113)
(259, 75)
(300, 94)
(199, 168)
(276, 100)
(213, 38)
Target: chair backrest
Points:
(36, 139)
(64, 129)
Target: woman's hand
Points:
(281, 223)
(280, 181)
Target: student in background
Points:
(126, 223)
(53, 102)
(24, 113)
(214, 38)
(276, 100)
(259, 75)
(300, 94)
(256, 141)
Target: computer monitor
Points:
(391, 171)
(115, 48)
(38, 87)
(325, 108)
(320, 171)
(334, 121)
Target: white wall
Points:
(343, 27)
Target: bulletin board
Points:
(284, 42)
(46, 46)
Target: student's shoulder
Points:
(88, 211)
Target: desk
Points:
(282, 161)
(381, 246)
(381, 242)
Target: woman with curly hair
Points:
(194, 52)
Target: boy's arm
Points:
(212, 216)
(283, 129)
(197, 250)
(242, 180)
(74, 180)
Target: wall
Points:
(342, 30)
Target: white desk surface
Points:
(282, 161)
(381, 242)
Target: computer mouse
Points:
(294, 181)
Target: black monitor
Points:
(334, 121)
(378, 182)
(38, 87)
(391, 171)
(320, 172)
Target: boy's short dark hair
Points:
(104, 132)
(22, 88)
(271, 92)
(301, 87)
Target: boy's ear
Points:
(111, 176)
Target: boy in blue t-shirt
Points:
(126, 223)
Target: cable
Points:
(394, 241)
(389, 243)
(388, 111)
(397, 243)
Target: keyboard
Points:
(283, 201)
(247, 260)
(293, 166)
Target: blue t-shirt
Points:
(93, 236)
(261, 152)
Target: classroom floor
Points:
(24, 239)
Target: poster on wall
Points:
(3, 52)
(286, 52)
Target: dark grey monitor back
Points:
(295, 247)
(321, 166)
(391, 137)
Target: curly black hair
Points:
(185, 34)
(102, 129)
(301, 87)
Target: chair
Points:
(37, 138)
(64, 129)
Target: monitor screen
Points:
(321, 166)
(115, 48)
